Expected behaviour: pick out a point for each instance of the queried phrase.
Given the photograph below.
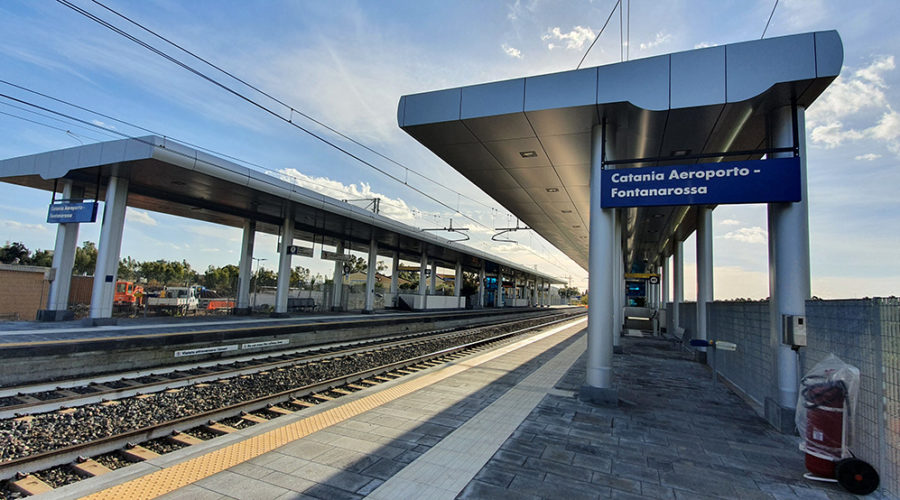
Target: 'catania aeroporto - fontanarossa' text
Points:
(674, 175)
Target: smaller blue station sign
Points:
(69, 212)
(752, 181)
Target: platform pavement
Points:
(510, 427)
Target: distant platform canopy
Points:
(527, 142)
(168, 177)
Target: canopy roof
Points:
(527, 142)
(167, 177)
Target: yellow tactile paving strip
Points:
(179, 475)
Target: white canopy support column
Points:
(498, 297)
(370, 275)
(337, 285)
(598, 386)
(245, 267)
(664, 280)
(284, 263)
(433, 287)
(677, 284)
(481, 278)
(534, 291)
(789, 282)
(110, 245)
(395, 277)
(458, 279)
(423, 279)
(618, 273)
(704, 273)
(63, 259)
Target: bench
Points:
(301, 304)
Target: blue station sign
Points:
(69, 212)
(752, 181)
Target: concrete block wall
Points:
(23, 292)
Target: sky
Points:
(347, 64)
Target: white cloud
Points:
(848, 98)
(867, 157)
(703, 45)
(18, 226)
(660, 39)
(140, 217)
(103, 124)
(512, 51)
(730, 222)
(753, 234)
(394, 208)
(574, 39)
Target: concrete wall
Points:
(862, 332)
(23, 291)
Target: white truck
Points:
(176, 300)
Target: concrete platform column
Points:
(664, 280)
(601, 259)
(284, 263)
(64, 256)
(534, 291)
(704, 271)
(433, 286)
(458, 280)
(245, 267)
(337, 280)
(423, 279)
(481, 278)
(370, 274)
(110, 245)
(618, 272)
(789, 281)
(498, 297)
(395, 277)
(677, 283)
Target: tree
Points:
(42, 258)
(13, 253)
(357, 264)
(85, 259)
(265, 277)
(299, 276)
(128, 269)
(221, 279)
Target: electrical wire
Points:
(288, 120)
(613, 11)
(769, 21)
(289, 107)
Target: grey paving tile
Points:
(369, 487)
(288, 481)
(653, 490)
(509, 457)
(327, 492)
(556, 453)
(593, 462)
(641, 473)
(331, 476)
(554, 488)
(193, 492)
(384, 469)
(617, 483)
(482, 490)
(564, 470)
(241, 487)
(495, 476)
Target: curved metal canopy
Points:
(527, 142)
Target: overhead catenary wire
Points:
(273, 113)
(769, 21)
(291, 109)
(613, 11)
(256, 104)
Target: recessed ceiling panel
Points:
(519, 153)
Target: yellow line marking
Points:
(182, 474)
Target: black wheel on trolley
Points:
(856, 476)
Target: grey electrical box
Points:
(794, 330)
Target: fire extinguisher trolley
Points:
(824, 411)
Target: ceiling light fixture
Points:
(566, 211)
(681, 152)
(552, 190)
(528, 154)
(576, 227)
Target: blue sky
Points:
(347, 63)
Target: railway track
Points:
(51, 444)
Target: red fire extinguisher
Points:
(825, 441)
